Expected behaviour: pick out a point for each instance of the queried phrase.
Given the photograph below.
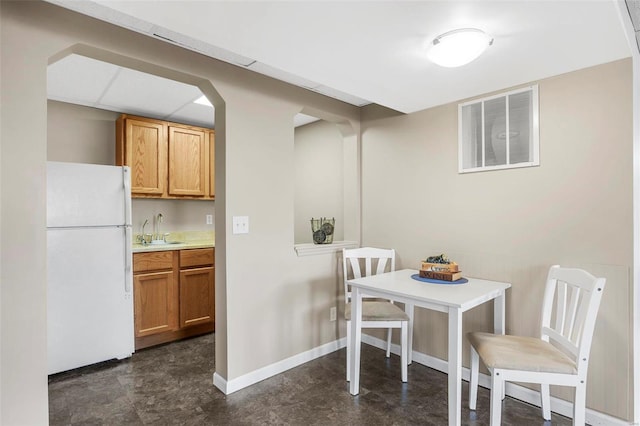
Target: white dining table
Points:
(453, 299)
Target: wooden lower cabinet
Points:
(173, 295)
(196, 296)
(155, 303)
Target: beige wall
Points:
(80, 134)
(575, 209)
(319, 181)
(23, 135)
(266, 297)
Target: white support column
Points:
(629, 32)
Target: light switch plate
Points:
(240, 224)
(209, 219)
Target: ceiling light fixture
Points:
(458, 47)
(202, 100)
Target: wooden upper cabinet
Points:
(167, 160)
(212, 164)
(142, 145)
(188, 152)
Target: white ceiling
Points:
(81, 80)
(358, 51)
(84, 81)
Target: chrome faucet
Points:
(141, 239)
(158, 222)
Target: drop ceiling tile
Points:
(194, 114)
(134, 90)
(79, 79)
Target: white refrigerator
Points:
(89, 273)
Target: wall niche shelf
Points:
(310, 249)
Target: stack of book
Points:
(441, 271)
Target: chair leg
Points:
(348, 351)
(473, 379)
(497, 384)
(579, 404)
(404, 350)
(545, 401)
(389, 342)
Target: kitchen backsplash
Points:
(177, 215)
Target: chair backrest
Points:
(569, 310)
(375, 261)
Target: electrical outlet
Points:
(332, 314)
(209, 219)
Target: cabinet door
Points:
(187, 161)
(155, 306)
(146, 154)
(197, 303)
(212, 164)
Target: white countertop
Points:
(180, 241)
(139, 248)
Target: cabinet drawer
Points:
(196, 257)
(152, 261)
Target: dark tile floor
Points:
(172, 385)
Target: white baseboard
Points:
(220, 382)
(522, 393)
(229, 386)
(559, 406)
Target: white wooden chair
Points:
(376, 313)
(560, 356)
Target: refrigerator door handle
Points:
(128, 254)
(126, 178)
